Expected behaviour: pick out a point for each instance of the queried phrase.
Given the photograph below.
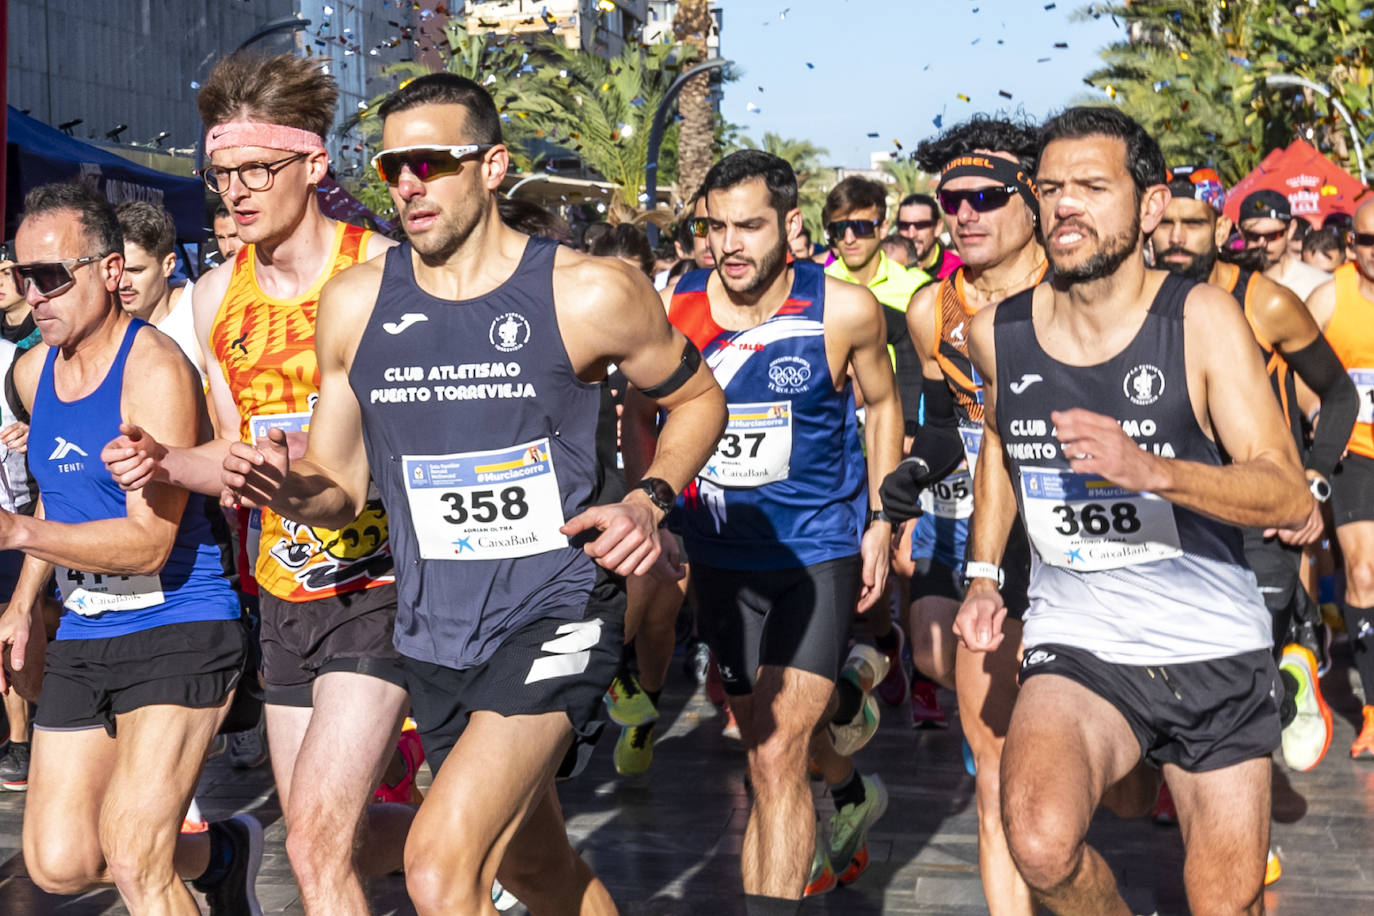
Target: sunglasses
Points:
(50, 278)
(426, 163)
(981, 200)
(862, 228)
(1362, 239)
(914, 225)
(1262, 237)
(699, 226)
(255, 176)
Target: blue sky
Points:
(893, 66)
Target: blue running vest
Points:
(482, 441)
(786, 486)
(75, 488)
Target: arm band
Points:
(1319, 368)
(937, 440)
(691, 361)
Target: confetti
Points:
(873, 133)
(1050, 6)
(1042, 60)
(938, 121)
(1061, 44)
(1004, 93)
(898, 144)
(1111, 92)
(961, 97)
(975, 41)
(810, 66)
(195, 85)
(750, 106)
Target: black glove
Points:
(901, 490)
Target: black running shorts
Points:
(553, 664)
(1198, 716)
(303, 639)
(88, 682)
(789, 618)
(1352, 490)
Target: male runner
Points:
(17, 324)
(327, 594)
(1324, 249)
(226, 233)
(1186, 242)
(1267, 224)
(800, 244)
(479, 423)
(149, 647)
(146, 290)
(1146, 635)
(986, 192)
(1344, 309)
(918, 219)
(775, 522)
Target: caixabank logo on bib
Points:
(789, 374)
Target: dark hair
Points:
(980, 132)
(148, 226)
(1144, 160)
(921, 200)
(592, 233)
(528, 217)
(93, 211)
(739, 167)
(807, 233)
(626, 241)
(1301, 230)
(1322, 240)
(855, 193)
(221, 212)
(483, 121)
(906, 244)
(286, 89)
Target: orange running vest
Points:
(1351, 334)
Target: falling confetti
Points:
(961, 97)
(1004, 93)
(873, 133)
(1049, 6)
(938, 121)
(898, 144)
(1042, 60)
(1061, 44)
(750, 106)
(1111, 92)
(810, 66)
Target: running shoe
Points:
(970, 762)
(849, 830)
(627, 703)
(248, 748)
(1307, 736)
(501, 898)
(14, 767)
(1273, 868)
(194, 821)
(925, 706)
(405, 791)
(865, 667)
(236, 894)
(1164, 811)
(715, 687)
(1363, 748)
(822, 878)
(634, 750)
(731, 728)
(893, 688)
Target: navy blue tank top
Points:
(482, 442)
(65, 440)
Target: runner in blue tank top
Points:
(463, 371)
(149, 647)
(1146, 637)
(777, 523)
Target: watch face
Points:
(660, 492)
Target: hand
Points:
(979, 621)
(875, 552)
(668, 567)
(901, 490)
(628, 545)
(15, 437)
(134, 458)
(253, 474)
(1311, 530)
(23, 646)
(1095, 444)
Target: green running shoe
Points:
(849, 830)
(634, 750)
(627, 703)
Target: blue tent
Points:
(39, 154)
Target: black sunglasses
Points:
(1362, 239)
(425, 162)
(862, 228)
(980, 199)
(50, 278)
(1262, 237)
(906, 225)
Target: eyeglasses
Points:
(1362, 239)
(699, 226)
(862, 228)
(50, 278)
(255, 176)
(425, 162)
(914, 225)
(1256, 238)
(980, 199)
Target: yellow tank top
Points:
(1351, 334)
(266, 348)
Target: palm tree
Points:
(907, 177)
(696, 143)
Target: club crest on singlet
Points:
(789, 374)
(1143, 385)
(509, 332)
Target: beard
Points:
(1199, 268)
(445, 237)
(765, 272)
(1111, 254)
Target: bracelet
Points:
(975, 570)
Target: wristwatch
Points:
(975, 570)
(1321, 489)
(659, 493)
(878, 515)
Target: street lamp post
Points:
(1284, 79)
(660, 124)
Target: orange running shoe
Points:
(822, 879)
(1363, 748)
(1272, 868)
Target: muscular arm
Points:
(937, 440)
(994, 497)
(857, 322)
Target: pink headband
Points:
(259, 133)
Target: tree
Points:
(907, 177)
(692, 24)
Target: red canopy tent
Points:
(1314, 185)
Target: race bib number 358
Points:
(493, 505)
(1085, 523)
(756, 448)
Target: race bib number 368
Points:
(1085, 523)
(493, 505)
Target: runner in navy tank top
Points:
(1146, 637)
(149, 647)
(461, 372)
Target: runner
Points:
(226, 233)
(479, 425)
(1186, 243)
(1344, 309)
(1267, 225)
(774, 525)
(146, 290)
(990, 203)
(1146, 635)
(149, 647)
(327, 594)
(918, 221)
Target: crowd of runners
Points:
(452, 500)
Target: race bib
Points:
(258, 426)
(949, 498)
(756, 448)
(972, 437)
(494, 505)
(1085, 523)
(91, 594)
(1364, 383)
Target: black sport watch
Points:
(659, 493)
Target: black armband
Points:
(1321, 370)
(691, 361)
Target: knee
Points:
(778, 761)
(318, 846)
(1046, 853)
(137, 855)
(436, 884)
(1359, 579)
(63, 868)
